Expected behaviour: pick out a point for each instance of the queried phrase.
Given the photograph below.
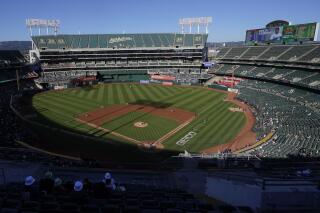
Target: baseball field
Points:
(171, 117)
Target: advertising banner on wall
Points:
(265, 35)
(300, 32)
(282, 34)
(163, 77)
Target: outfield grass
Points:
(214, 123)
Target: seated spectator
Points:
(87, 185)
(29, 181)
(78, 186)
(78, 195)
(29, 189)
(58, 187)
(109, 182)
(46, 184)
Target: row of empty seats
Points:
(119, 40)
(300, 53)
(305, 78)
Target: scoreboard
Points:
(283, 34)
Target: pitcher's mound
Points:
(140, 124)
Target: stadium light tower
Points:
(199, 21)
(43, 23)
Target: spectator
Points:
(78, 186)
(87, 185)
(46, 184)
(29, 190)
(109, 182)
(78, 195)
(58, 187)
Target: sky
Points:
(231, 18)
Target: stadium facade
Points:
(117, 57)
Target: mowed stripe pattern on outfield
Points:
(214, 123)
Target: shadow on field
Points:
(59, 139)
(156, 104)
(88, 87)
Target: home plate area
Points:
(138, 123)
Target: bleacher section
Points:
(253, 52)
(273, 52)
(11, 58)
(306, 53)
(127, 52)
(10, 62)
(304, 78)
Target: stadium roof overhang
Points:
(118, 49)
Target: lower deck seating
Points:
(305, 78)
(292, 114)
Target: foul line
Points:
(108, 131)
(157, 142)
(166, 136)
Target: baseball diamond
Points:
(166, 113)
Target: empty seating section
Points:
(293, 114)
(11, 57)
(310, 79)
(273, 52)
(189, 40)
(225, 68)
(147, 40)
(313, 81)
(170, 38)
(120, 40)
(297, 75)
(157, 42)
(94, 41)
(277, 73)
(84, 42)
(222, 52)
(262, 71)
(103, 41)
(314, 54)
(75, 42)
(281, 53)
(253, 52)
(295, 52)
(243, 70)
(138, 40)
(7, 75)
(61, 42)
(52, 43)
(235, 52)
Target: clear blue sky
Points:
(231, 18)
